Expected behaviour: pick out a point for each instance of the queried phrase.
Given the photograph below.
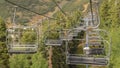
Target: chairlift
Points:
(53, 37)
(97, 51)
(94, 37)
(22, 39)
(96, 56)
(95, 41)
(91, 56)
(77, 60)
(93, 34)
(53, 41)
(17, 42)
(65, 35)
(69, 34)
(81, 28)
(73, 33)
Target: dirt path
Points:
(50, 57)
(50, 14)
(85, 7)
(77, 1)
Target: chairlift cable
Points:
(30, 10)
(59, 7)
(91, 10)
(14, 15)
(98, 14)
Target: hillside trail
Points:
(50, 57)
(85, 7)
(77, 1)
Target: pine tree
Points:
(4, 57)
(104, 8)
(114, 14)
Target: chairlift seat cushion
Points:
(97, 51)
(51, 42)
(76, 60)
(22, 51)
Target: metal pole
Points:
(50, 48)
(91, 11)
(14, 16)
(15, 9)
(87, 65)
(67, 53)
(50, 57)
(87, 38)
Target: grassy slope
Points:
(115, 60)
(39, 6)
(74, 5)
(114, 32)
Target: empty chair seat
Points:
(67, 38)
(51, 42)
(65, 35)
(18, 41)
(73, 34)
(12, 51)
(76, 60)
(95, 37)
(77, 31)
(94, 43)
(22, 50)
(80, 28)
(97, 51)
(24, 45)
(93, 32)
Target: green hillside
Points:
(38, 6)
(110, 20)
(47, 56)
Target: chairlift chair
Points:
(81, 28)
(53, 41)
(65, 35)
(69, 34)
(19, 40)
(96, 55)
(92, 56)
(94, 37)
(77, 60)
(73, 33)
(97, 51)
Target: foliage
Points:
(29, 36)
(110, 16)
(67, 23)
(28, 61)
(4, 62)
(38, 6)
(73, 5)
